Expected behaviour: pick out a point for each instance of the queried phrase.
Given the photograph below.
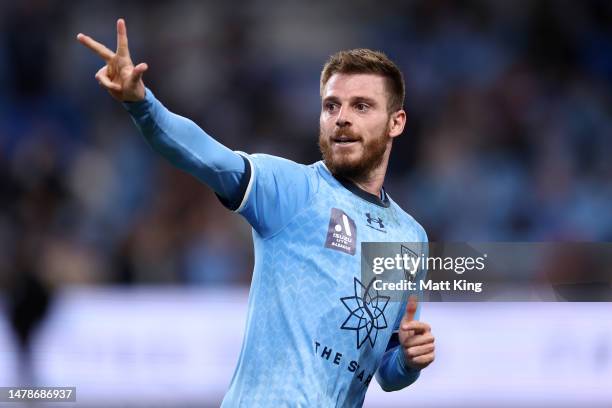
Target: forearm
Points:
(393, 373)
(188, 147)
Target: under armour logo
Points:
(377, 220)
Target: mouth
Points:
(344, 140)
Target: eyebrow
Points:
(356, 99)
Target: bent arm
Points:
(191, 149)
(393, 374)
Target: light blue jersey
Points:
(312, 338)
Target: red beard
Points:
(343, 165)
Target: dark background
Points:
(508, 135)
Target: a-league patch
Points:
(341, 232)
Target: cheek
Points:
(375, 129)
(327, 127)
(323, 122)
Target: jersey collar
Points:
(355, 189)
(382, 201)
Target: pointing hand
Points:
(119, 76)
(415, 338)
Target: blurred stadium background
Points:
(118, 272)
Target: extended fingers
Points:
(105, 81)
(96, 47)
(138, 71)
(122, 40)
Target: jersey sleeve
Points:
(393, 373)
(277, 190)
(191, 149)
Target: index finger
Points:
(96, 47)
(122, 41)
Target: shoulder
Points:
(278, 189)
(276, 162)
(410, 222)
(275, 170)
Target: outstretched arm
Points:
(177, 138)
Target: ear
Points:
(397, 121)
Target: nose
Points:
(342, 119)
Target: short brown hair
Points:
(365, 61)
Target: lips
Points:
(344, 139)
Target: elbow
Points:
(389, 386)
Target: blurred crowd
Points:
(508, 137)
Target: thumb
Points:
(138, 71)
(411, 308)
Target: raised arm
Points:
(177, 138)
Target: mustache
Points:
(348, 133)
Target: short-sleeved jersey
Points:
(313, 338)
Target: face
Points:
(356, 127)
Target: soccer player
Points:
(315, 334)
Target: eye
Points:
(362, 107)
(330, 107)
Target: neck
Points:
(374, 180)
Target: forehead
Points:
(355, 85)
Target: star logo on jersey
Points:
(366, 312)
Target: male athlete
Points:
(315, 334)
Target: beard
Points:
(348, 164)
